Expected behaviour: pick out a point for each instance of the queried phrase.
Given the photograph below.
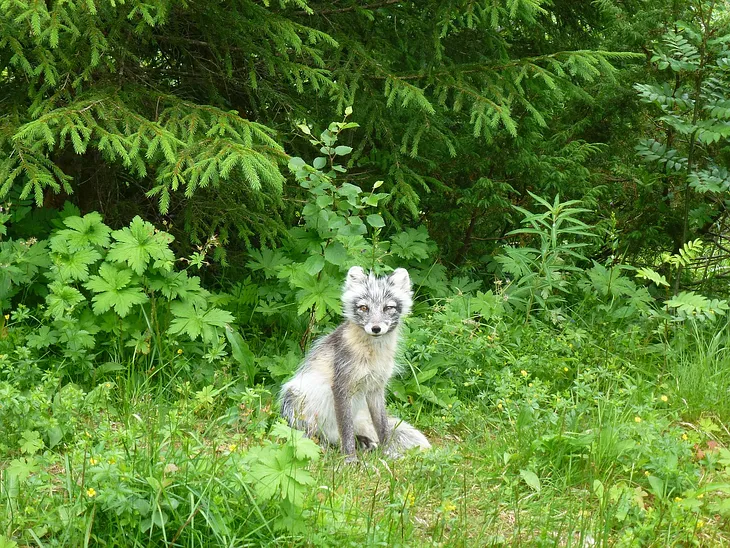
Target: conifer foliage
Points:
(687, 154)
(88, 82)
(112, 100)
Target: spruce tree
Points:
(188, 109)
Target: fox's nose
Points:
(376, 329)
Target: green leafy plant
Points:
(541, 273)
(685, 304)
(692, 104)
(340, 225)
(278, 471)
(119, 283)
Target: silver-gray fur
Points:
(338, 392)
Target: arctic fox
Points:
(338, 392)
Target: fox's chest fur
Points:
(368, 362)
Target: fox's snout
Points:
(376, 328)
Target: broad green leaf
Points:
(269, 261)
(62, 299)
(314, 264)
(197, 322)
(322, 295)
(335, 254)
(113, 288)
(304, 448)
(31, 442)
(342, 150)
(242, 354)
(21, 469)
(139, 244)
(178, 285)
(296, 163)
(42, 338)
(657, 485)
(375, 220)
(350, 192)
(531, 479)
(85, 231)
(55, 435)
(70, 264)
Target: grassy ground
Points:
(603, 451)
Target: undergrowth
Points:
(569, 402)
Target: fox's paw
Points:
(365, 443)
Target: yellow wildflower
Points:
(637, 419)
(664, 398)
(91, 492)
(523, 373)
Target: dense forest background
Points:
(183, 186)
(187, 114)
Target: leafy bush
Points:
(541, 274)
(109, 296)
(297, 286)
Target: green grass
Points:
(700, 371)
(554, 444)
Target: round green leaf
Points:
(375, 220)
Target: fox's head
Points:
(376, 304)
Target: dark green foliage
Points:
(106, 295)
(112, 101)
(687, 154)
(89, 96)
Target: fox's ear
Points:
(355, 276)
(400, 279)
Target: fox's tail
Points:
(404, 437)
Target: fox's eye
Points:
(388, 308)
(363, 308)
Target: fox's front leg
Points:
(376, 405)
(343, 414)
